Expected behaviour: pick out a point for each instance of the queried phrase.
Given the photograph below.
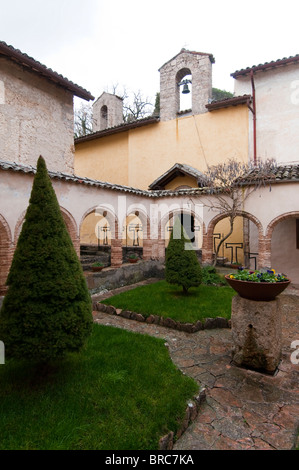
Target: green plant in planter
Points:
(133, 256)
(97, 264)
(263, 275)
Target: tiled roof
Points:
(17, 167)
(225, 103)
(288, 173)
(12, 166)
(26, 61)
(279, 174)
(267, 66)
(176, 170)
(126, 126)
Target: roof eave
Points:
(228, 102)
(33, 65)
(266, 66)
(117, 129)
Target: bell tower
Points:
(197, 67)
(107, 112)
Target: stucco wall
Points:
(265, 207)
(285, 255)
(277, 112)
(105, 159)
(139, 156)
(36, 118)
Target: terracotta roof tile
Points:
(225, 103)
(25, 60)
(119, 128)
(267, 66)
(17, 167)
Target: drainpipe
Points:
(253, 110)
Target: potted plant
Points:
(264, 284)
(235, 265)
(133, 258)
(97, 266)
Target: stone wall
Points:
(112, 278)
(198, 65)
(36, 118)
(107, 112)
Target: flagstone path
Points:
(243, 409)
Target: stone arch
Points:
(69, 222)
(18, 226)
(107, 211)
(208, 242)
(182, 75)
(178, 211)
(6, 253)
(146, 242)
(72, 228)
(281, 246)
(278, 219)
(140, 211)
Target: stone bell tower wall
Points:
(107, 112)
(197, 64)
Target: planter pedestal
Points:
(256, 333)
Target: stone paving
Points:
(243, 409)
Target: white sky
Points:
(97, 43)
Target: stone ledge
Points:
(166, 442)
(210, 323)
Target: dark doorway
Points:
(187, 221)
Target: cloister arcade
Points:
(118, 217)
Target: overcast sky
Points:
(97, 43)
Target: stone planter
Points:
(96, 269)
(235, 266)
(259, 291)
(256, 334)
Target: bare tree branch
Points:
(230, 184)
(83, 120)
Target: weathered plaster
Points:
(36, 118)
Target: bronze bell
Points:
(185, 89)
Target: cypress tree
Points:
(47, 310)
(181, 267)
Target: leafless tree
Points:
(137, 107)
(83, 120)
(230, 184)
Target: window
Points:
(104, 117)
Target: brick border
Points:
(209, 324)
(166, 442)
(6, 253)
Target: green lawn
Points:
(160, 298)
(122, 392)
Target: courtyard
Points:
(243, 409)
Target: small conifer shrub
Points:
(182, 266)
(47, 310)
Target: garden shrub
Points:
(181, 265)
(47, 310)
